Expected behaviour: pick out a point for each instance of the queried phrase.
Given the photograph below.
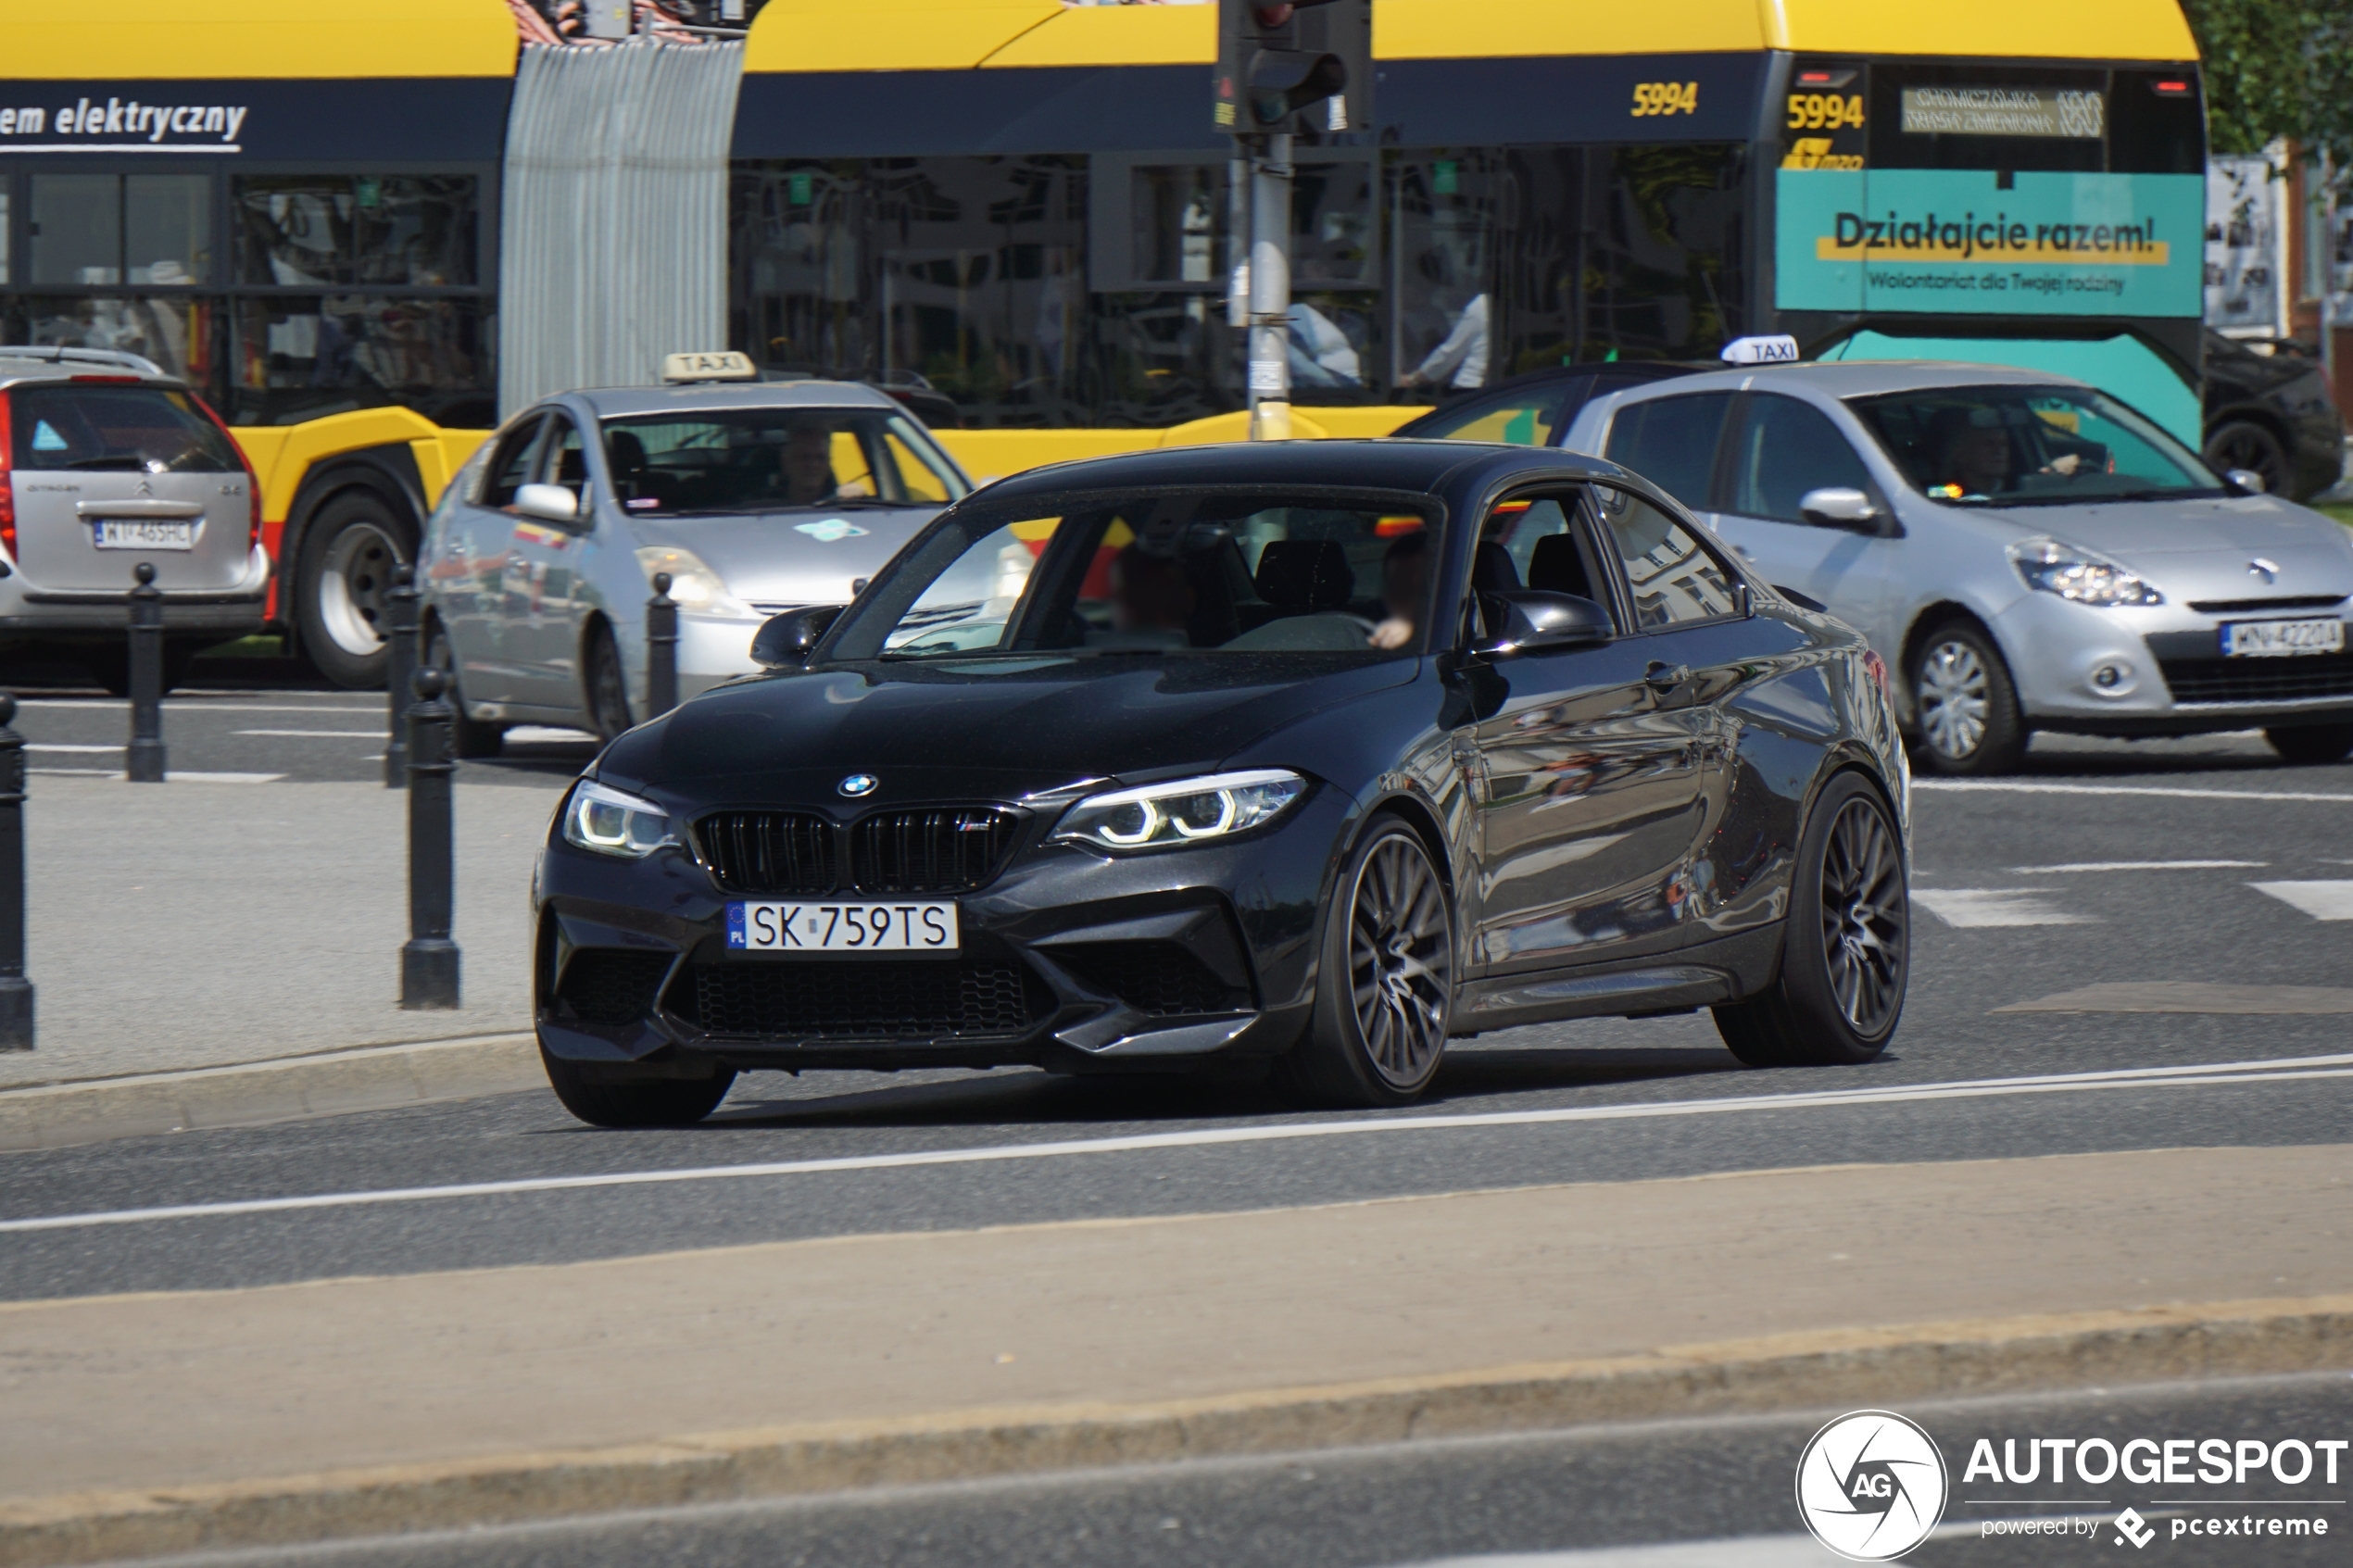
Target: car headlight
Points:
(2085, 576)
(600, 817)
(1164, 816)
(697, 589)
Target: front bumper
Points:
(2165, 671)
(1069, 959)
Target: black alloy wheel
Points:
(349, 553)
(1846, 946)
(646, 1102)
(1386, 981)
(604, 695)
(1965, 705)
(2311, 744)
(2243, 444)
(472, 739)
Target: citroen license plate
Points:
(842, 928)
(145, 533)
(2278, 639)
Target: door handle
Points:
(1664, 677)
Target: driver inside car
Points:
(1404, 577)
(1977, 460)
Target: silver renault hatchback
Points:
(106, 461)
(754, 498)
(2026, 552)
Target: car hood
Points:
(998, 729)
(807, 556)
(2204, 547)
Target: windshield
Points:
(132, 429)
(1150, 573)
(735, 461)
(2030, 446)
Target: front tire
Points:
(1385, 979)
(606, 689)
(347, 555)
(473, 740)
(649, 1102)
(1970, 721)
(1846, 948)
(2311, 745)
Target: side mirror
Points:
(1535, 620)
(2246, 482)
(548, 503)
(1840, 506)
(783, 641)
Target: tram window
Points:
(175, 331)
(303, 358)
(1174, 212)
(294, 229)
(330, 228)
(1332, 226)
(413, 229)
(95, 230)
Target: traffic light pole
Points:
(1270, 290)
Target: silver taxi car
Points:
(756, 499)
(106, 461)
(2026, 552)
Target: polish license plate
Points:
(2278, 639)
(842, 928)
(144, 533)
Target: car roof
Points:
(609, 401)
(1389, 463)
(1861, 378)
(21, 362)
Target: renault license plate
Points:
(145, 533)
(842, 928)
(2278, 639)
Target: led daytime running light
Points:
(1183, 811)
(609, 823)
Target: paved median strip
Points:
(2269, 1070)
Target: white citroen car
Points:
(2027, 552)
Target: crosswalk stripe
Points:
(1995, 906)
(2321, 900)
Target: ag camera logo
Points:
(1871, 1486)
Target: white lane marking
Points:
(2321, 900)
(80, 749)
(2223, 1073)
(533, 735)
(170, 775)
(321, 735)
(1755, 1551)
(2007, 786)
(1995, 906)
(180, 704)
(2072, 867)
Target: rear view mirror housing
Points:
(784, 642)
(1842, 506)
(548, 503)
(1534, 619)
(2246, 482)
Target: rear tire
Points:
(347, 555)
(473, 740)
(1846, 949)
(649, 1102)
(1385, 979)
(605, 689)
(1967, 706)
(2311, 744)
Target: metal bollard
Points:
(144, 759)
(400, 662)
(429, 961)
(662, 649)
(16, 991)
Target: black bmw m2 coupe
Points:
(1315, 754)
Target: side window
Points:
(1528, 418)
(1784, 449)
(564, 464)
(1673, 578)
(510, 468)
(1671, 442)
(915, 476)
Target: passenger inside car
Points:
(806, 466)
(1405, 575)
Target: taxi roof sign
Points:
(724, 365)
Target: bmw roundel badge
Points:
(858, 785)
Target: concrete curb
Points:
(1831, 1370)
(285, 1089)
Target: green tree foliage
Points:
(2274, 68)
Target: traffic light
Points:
(1285, 65)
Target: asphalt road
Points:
(1713, 1493)
(2181, 864)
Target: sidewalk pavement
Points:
(445, 1399)
(191, 925)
